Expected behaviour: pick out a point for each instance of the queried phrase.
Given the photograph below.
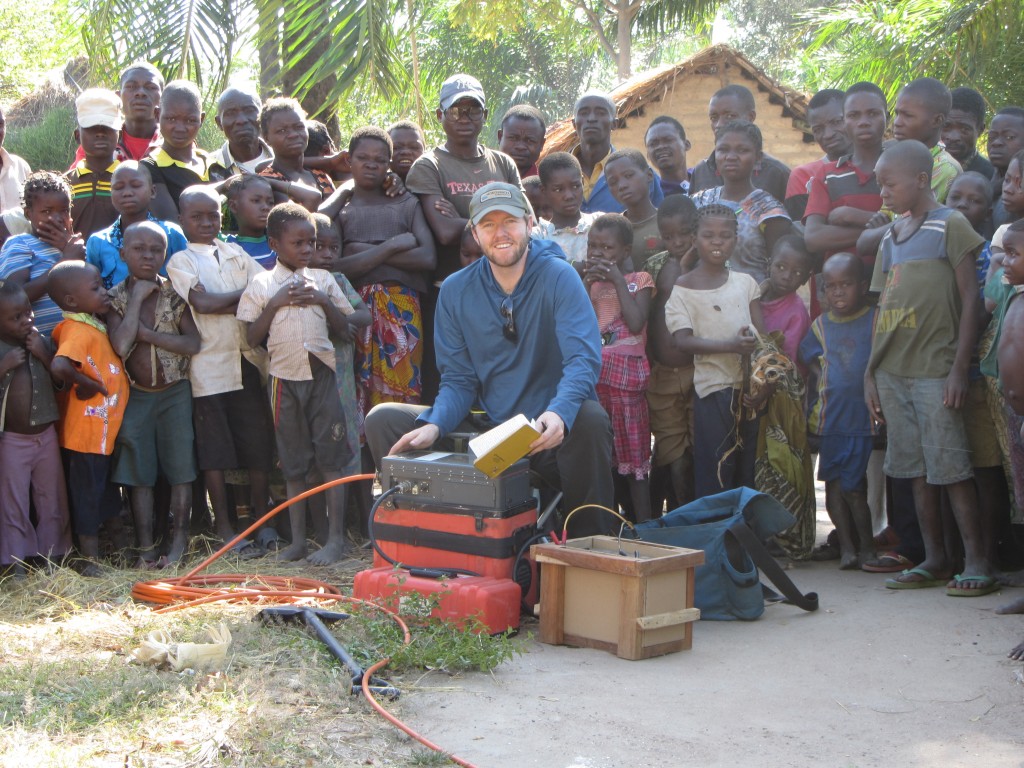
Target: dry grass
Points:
(70, 694)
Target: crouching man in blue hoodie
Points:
(515, 333)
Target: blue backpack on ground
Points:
(730, 527)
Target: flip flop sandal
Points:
(887, 562)
(989, 585)
(270, 540)
(926, 581)
(246, 549)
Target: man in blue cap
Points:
(515, 333)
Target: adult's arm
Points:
(821, 236)
(447, 230)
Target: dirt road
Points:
(874, 678)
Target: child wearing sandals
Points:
(152, 330)
(916, 381)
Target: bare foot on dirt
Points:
(1017, 654)
(1011, 578)
(331, 552)
(849, 562)
(292, 552)
(1015, 606)
(178, 547)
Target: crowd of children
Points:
(179, 322)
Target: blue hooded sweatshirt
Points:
(552, 366)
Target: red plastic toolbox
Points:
(480, 541)
(494, 601)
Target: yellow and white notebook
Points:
(499, 448)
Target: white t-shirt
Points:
(716, 314)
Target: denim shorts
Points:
(926, 439)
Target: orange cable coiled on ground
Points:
(178, 592)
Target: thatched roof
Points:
(632, 96)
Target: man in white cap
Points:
(99, 128)
(515, 333)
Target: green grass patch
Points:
(71, 695)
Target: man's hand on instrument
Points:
(418, 439)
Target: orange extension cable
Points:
(178, 592)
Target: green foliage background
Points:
(537, 51)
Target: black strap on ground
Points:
(771, 568)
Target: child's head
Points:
(1013, 253)
(199, 214)
(904, 173)
(629, 177)
(469, 248)
(369, 156)
(283, 125)
(1013, 186)
(677, 224)
(99, 123)
(144, 249)
(921, 110)
(825, 119)
(181, 114)
(140, 88)
(610, 239)
(521, 136)
(535, 194)
(716, 233)
(844, 282)
(16, 316)
(964, 123)
(562, 181)
(865, 114)
(790, 266)
(737, 149)
(76, 286)
(46, 198)
(131, 189)
(971, 194)
(729, 104)
(250, 199)
(320, 143)
(328, 242)
(1005, 136)
(291, 233)
(407, 145)
(666, 145)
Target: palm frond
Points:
(182, 38)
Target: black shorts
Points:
(309, 424)
(92, 498)
(233, 429)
